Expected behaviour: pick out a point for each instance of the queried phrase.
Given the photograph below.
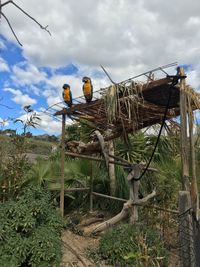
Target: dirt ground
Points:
(75, 250)
(75, 246)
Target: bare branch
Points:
(7, 2)
(3, 105)
(23, 11)
(11, 28)
(145, 199)
(42, 27)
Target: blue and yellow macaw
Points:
(87, 89)
(67, 95)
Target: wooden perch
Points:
(119, 217)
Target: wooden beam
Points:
(62, 192)
(110, 197)
(94, 158)
(72, 189)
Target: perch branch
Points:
(120, 216)
(145, 199)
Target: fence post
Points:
(187, 256)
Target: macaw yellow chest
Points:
(66, 95)
(87, 88)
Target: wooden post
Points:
(91, 189)
(187, 256)
(111, 168)
(194, 189)
(183, 136)
(134, 191)
(62, 192)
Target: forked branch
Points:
(23, 11)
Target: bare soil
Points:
(75, 246)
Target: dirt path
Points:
(74, 250)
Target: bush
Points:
(30, 231)
(128, 245)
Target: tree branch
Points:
(145, 199)
(11, 28)
(7, 2)
(42, 27)
(23, 11)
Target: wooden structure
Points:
(125, 108)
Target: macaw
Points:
(67, 95)
(87, 89)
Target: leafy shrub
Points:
(128, 245)
(30, 231)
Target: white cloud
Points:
(2, 45)
(128, 37)
(20, 98)
(50, 125)
(3, 65)
(27, 74)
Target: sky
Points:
(127, 37)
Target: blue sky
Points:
(17, 93)
(24, 84)
(127, 37)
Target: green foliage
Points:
(30, 231)
(14, 167)
(128, 245)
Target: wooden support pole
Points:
(187, 256)
(134, 192)
(91, 189)
(111, 168)
(194, 188)
(62, 167)
(183, 137)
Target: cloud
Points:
(125, 36)
(3, 65)
(27, 74)
(20, 98)
(49, 124)
(46, 123)
(2, 45)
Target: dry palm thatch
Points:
(126, 108)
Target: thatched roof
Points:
(133, 106)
